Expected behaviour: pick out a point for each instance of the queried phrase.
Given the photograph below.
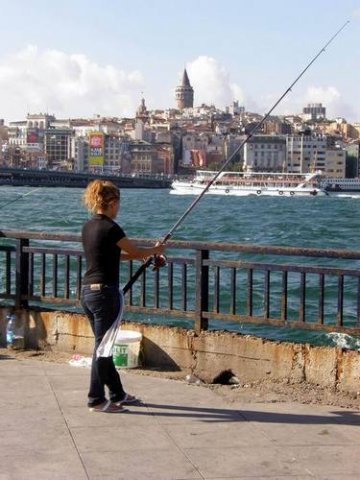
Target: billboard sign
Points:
(32, 135)
(96, 149)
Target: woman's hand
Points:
(160, 248)
(134, 252)
(157, 251)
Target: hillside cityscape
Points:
(180, 140)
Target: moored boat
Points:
(257, 183)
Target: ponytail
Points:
(99, 193)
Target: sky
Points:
(80, 58)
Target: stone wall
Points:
(206, 355)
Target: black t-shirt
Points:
(100, 235)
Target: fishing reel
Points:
(158, 261)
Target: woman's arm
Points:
(130, 251)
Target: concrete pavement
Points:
(181, 432)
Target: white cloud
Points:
(67, 85)
(72, 85)
(332, 99)
(326, 95)
(356, 13)
(211, 83)
(329, 96)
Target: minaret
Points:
(142, 112)
(184, 93)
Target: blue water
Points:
(319, 222)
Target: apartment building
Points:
(314, 111)
(17, 132)
(232, 142)
(142, 155)
(98, 152)
(57, 148)
(306, 153)
(194, 145)
(335, 162)
(265, 154)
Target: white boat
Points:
(258, 184)
(339, 184)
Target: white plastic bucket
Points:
(126, 349)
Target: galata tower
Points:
(184, 93)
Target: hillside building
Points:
(314, 111)
(265, 154)
(310, 153)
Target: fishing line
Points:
(151, 260)
(18, 198)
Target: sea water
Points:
(314, 222)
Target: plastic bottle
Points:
(15, 332)
(10, 330)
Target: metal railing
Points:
(202, 282)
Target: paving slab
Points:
(180, 432)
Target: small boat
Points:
(248, 183)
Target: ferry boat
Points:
(339, 184)
(258, 184)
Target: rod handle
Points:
(136, 275)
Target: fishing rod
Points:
(159, 261)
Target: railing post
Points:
(201, 290)
(22, 274)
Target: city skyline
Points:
(77, 59)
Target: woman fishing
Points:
(105, 244)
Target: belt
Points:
(96, 286)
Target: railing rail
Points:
(203, 282)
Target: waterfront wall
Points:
(205, 354)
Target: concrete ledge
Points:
(206, 355)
